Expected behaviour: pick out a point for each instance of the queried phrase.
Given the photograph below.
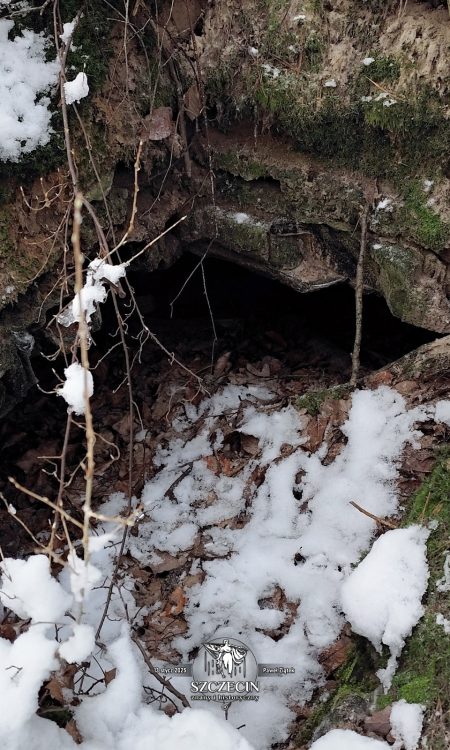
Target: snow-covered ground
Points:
(276, 543)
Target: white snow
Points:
(24, 665)
(29, 590)
(441, 620)
(345, 739)
(80, 645)
(443, 584)
(68, 29)
(241, 218)
(117, 718)
(442, 412)
(78, 385)
(384, 205)
(406, 724)
(83, 577)
(77, 89)
(25, 76)
(94, 291)
(305, 544)
(271, 70)
(281, 427)
(382, 597)
(254, 560)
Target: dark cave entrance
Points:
(267, 334)
(267, 313)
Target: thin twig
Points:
(379, 520)
(359, 289)
(181, 697)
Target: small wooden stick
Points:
(379, 520)
(167, 684)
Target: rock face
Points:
(290, 216)
(271, 126)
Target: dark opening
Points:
(267, 334)
(253, 306)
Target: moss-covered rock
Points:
(423, 674)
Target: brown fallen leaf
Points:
(158, 125)
(226, 466)
(222, 364)
(264, 372)
(61, 680)
(7, 631)
(72, 729)
(382, 377)
(250, 444)
(110, 675)
(176, 602)
(335, 655)
(167, 562)
(406, 387)
(213, 464)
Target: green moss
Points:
(313, 400)
(383, 69)
(313, 51)
(246, 168)
(397, 267)
(91, 39)
(423, 675)
(425, 225)
(355, 678)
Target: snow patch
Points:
(382, 597)
(345, 739)
(442, 412)
(78, 386)
(25, 75)
(77, 89)
(406, 724)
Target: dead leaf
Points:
(250, 444)
(54, 687)
(406, 387)
(212, 464)
(382, 377)
(222, 364)
(335, 655)
(167, 562)
(7, 631)
(226, 466)
(158, 125)
(71, 728)
(110, 675)
(264, 372)
(176, 602)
